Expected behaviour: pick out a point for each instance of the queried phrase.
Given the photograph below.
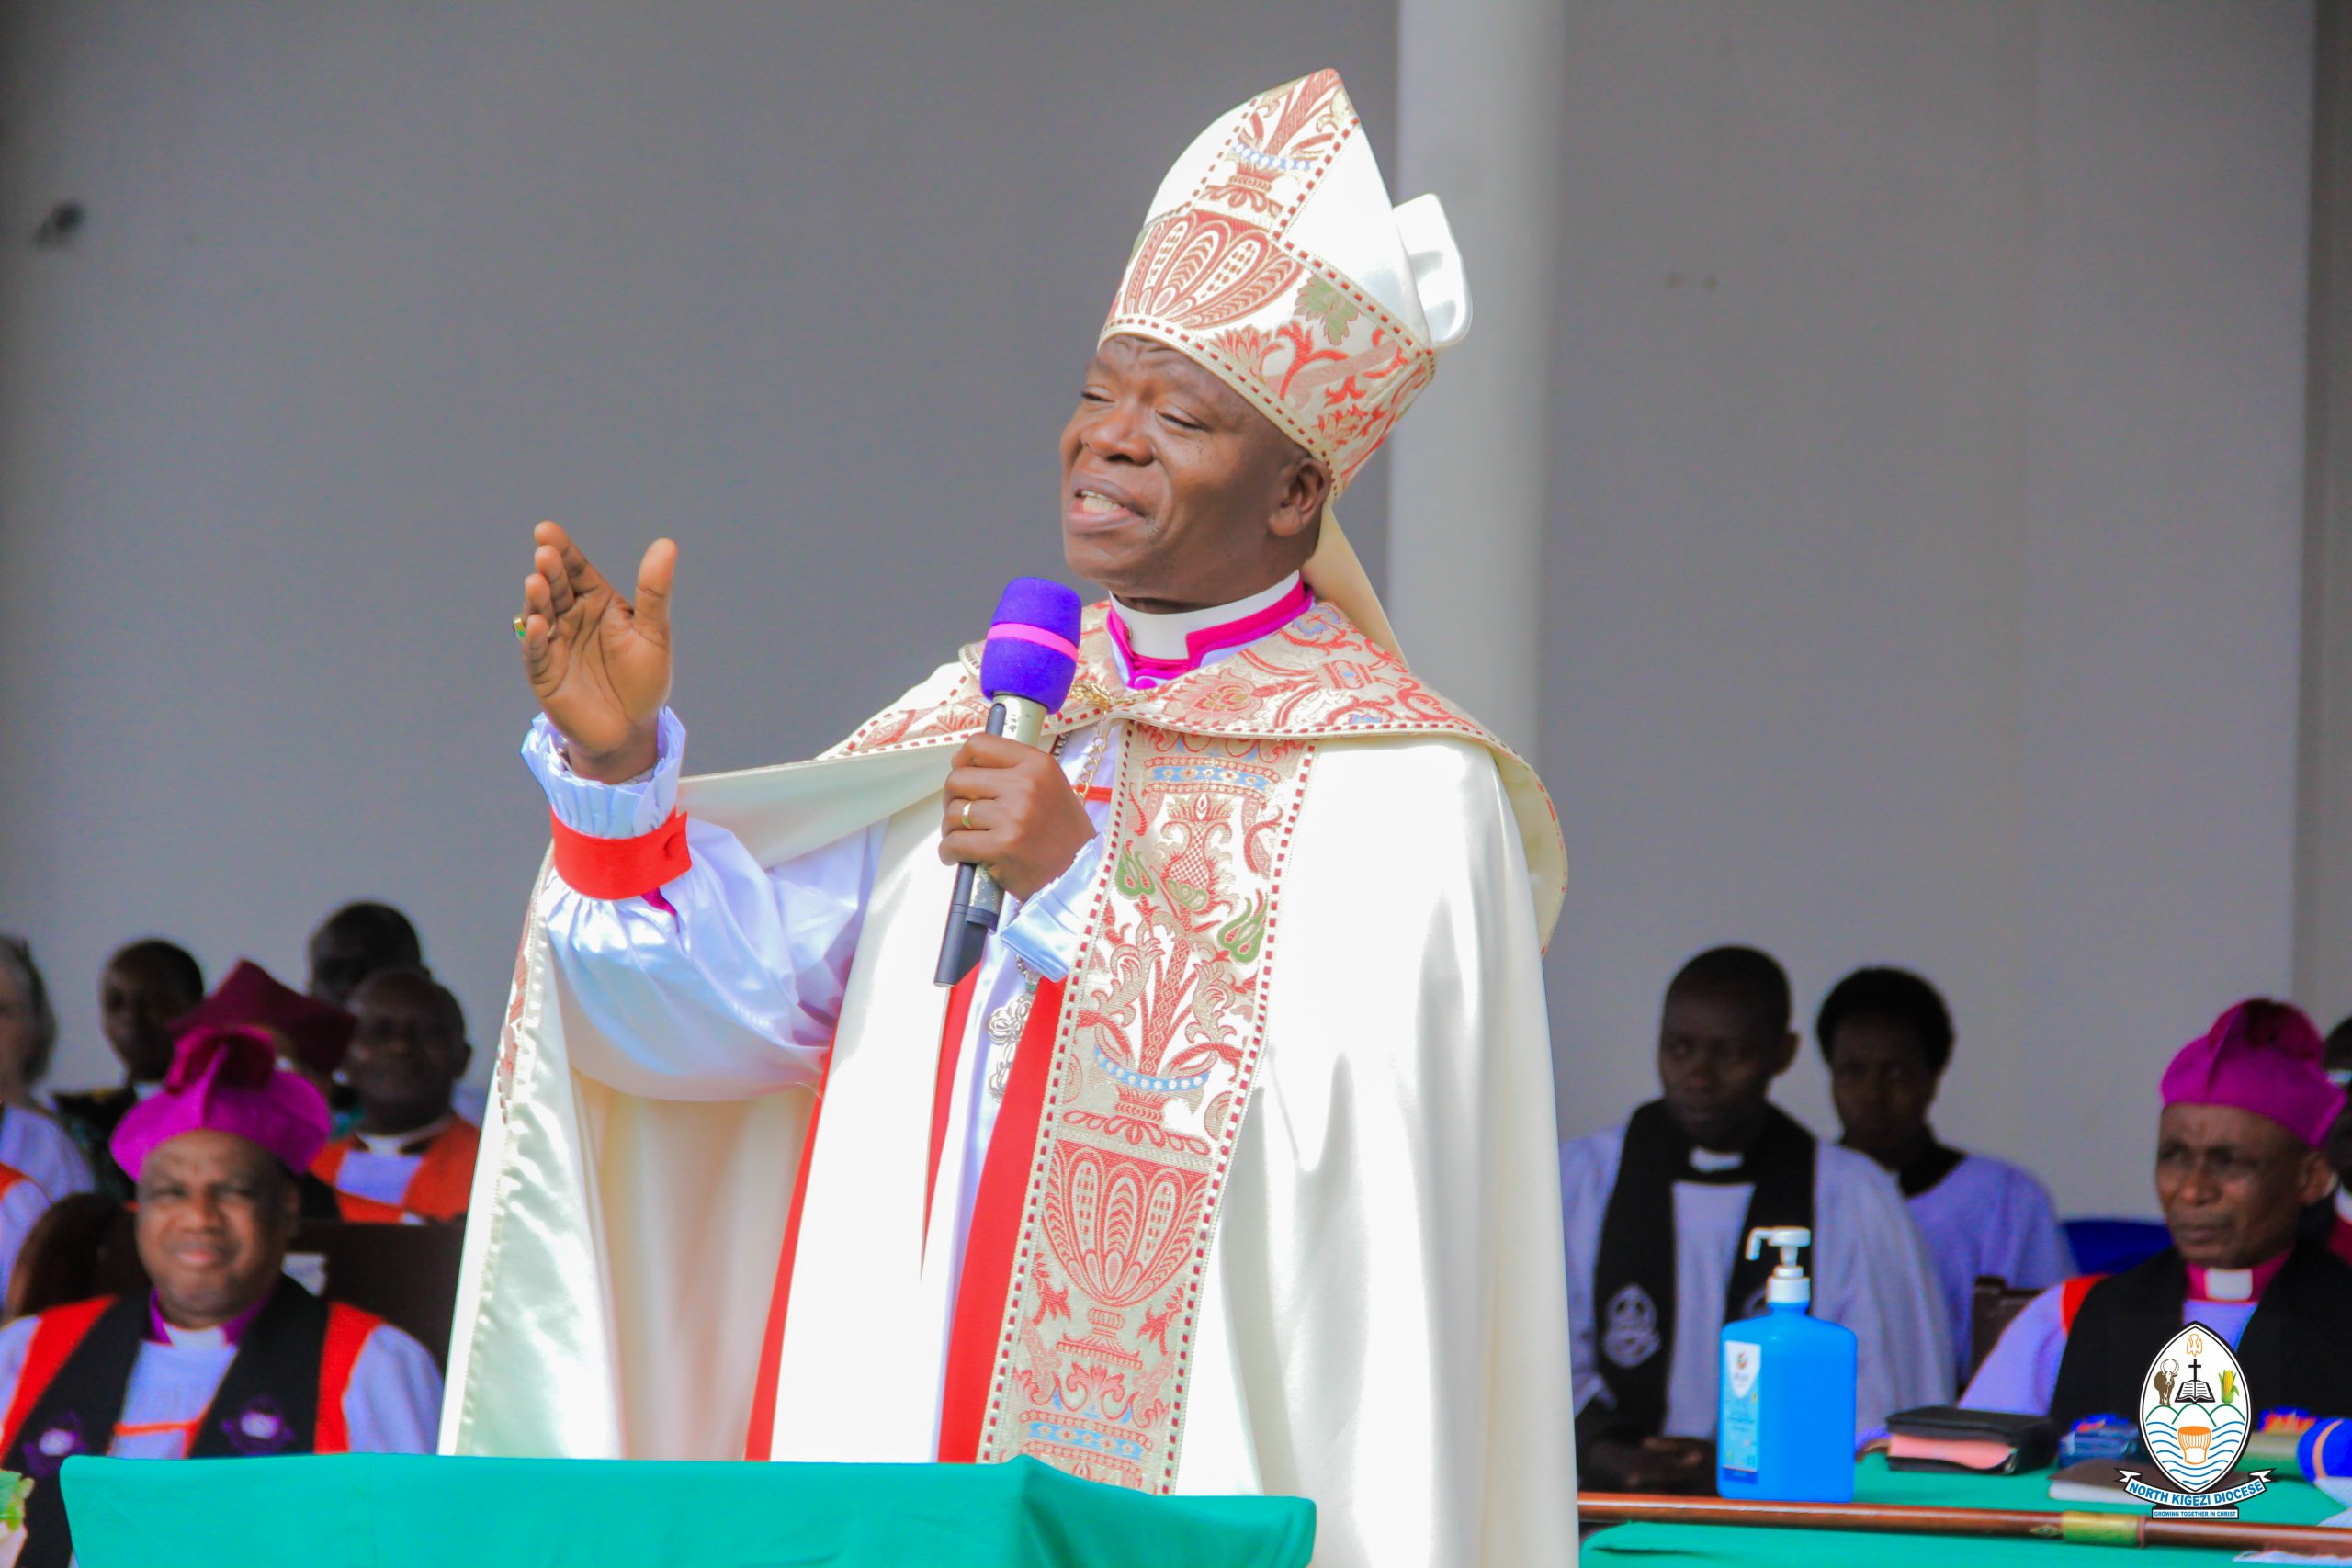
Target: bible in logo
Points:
(2195, 1415)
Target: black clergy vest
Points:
(1634, 1273)
(2293, 1349)
(267, 1403)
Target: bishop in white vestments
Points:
(1228, 1169)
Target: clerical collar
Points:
(1714, 1160)
(413, 1141)
(1156, 649)
(2234, 1284)
(162, 1331)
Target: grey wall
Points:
(366, 291)
(1924, 586)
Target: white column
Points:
(1480, 112)
(2324, 825)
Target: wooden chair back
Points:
(1993, 1306)
(407, 1275)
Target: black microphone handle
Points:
(967, 930)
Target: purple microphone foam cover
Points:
(1031, 649)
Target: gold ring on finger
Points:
(518, 629)
(965, 817)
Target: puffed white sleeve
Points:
(728, 979)
(393, 1403)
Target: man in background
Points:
(411, 1158)
(144, 992)
(353, 943)
(1656, 1217)
(1887, 1037)
(2246, 1107)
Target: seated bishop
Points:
(1887, 1037)
(410, 1160)
(225, 1356)
(1225, 1164)
(2239, 1157)
(1658, 1214)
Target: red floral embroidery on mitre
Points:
(1219, 279)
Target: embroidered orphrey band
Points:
(1161, 1030)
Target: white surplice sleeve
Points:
(1873, 1276)
(393, 1403)
(727, 980)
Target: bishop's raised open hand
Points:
(598, 664)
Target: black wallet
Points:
(2031, 1440)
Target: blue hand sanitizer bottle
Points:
(1784, 1422)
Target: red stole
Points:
(439, 1192)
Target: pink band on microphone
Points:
(1037, 635)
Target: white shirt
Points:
(392, 1406)
(1987, 1217)
(1870, 1273)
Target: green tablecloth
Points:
(2287, 1502)
(389, 1511)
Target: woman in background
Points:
(1888, 1036)
(32, 1143)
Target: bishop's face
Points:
(2232, 1184)
(216, 1213)
(1176, 493)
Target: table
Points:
(2287, 1502)
(412, 1511)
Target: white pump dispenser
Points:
(1789, 1284)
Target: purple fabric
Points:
(2262, 1056)
(1016, 667)
(227, 1080)
(158, 1329)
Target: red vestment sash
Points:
(439, 1188)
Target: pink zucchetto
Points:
(2262, 1056)
(227, 1079)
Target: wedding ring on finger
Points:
(518, 630)
(964, 817)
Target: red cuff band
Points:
(621, 868)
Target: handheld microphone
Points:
(1026, 668)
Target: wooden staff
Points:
(2027, 1524)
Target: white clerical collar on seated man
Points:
(1157, 647)
(2234, 1284)
(1715, 1159)
(412, 1142)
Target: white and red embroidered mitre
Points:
(1273, 258)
